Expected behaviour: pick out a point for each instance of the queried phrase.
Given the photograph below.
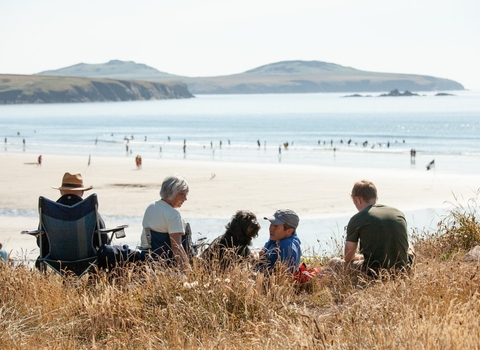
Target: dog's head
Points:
(243, 226)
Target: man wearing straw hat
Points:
(71, 191)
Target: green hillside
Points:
(54, 89)
(114, 69)
(279, 77)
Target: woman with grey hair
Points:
(163, 227)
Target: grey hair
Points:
(171, 186)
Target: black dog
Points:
(233, 245)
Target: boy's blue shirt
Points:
(287, 250)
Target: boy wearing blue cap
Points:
(284, 244)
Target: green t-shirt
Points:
(382, 232)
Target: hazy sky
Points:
(219, 37)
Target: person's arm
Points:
(350, 250)
(177, 249)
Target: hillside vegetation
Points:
(279, 77)
(437, 306)
(113, 69)
(50, 89)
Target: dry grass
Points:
(435, 307)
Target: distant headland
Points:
(127, 81)
(280, 77)
(20, 89)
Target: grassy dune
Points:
(437, 306)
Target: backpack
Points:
(304, 274)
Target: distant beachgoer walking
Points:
(258, 143)
(96, 140)
(138, 161)
(39, 160)
(89, 157)
(220, 144)
(413, 153)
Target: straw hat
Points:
(72, 182)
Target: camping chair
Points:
(160, 246)
(70, 231)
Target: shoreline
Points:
(319, 194)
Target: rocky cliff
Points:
(48, 89)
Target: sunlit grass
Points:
(435, 307)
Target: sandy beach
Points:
(217, 190)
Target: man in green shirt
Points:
(381, 232)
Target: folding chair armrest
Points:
(118, 231)
(34, 233)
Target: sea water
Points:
(315, 129)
